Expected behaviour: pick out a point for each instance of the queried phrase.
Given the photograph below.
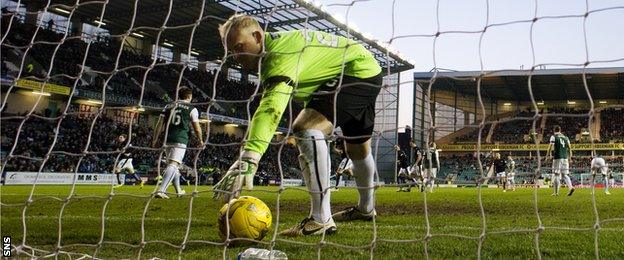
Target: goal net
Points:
(78, 75)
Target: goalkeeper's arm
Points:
(267, 117)
(261, 131)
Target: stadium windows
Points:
(94, 32)
(13, 7)
(254, 79)
(235, 74)
(162, 53)
(210, 66)
(53, 22)
(191, 61)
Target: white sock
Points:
(568, 181)
(170, 173)
(556, 182)
(315, 163)
(364, 172)
(176, 182)
(305, 171)
(606, 182)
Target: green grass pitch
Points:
(455, 222)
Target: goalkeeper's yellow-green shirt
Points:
(297, 63)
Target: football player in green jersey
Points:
(338, 80)
(178, 117)
(560, 145)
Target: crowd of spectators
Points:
(132, 75)
(515, 130)
(471, 137)
(612, 125)
(573, 122)
(96, 147)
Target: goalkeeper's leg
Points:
(364, 172)
(353, 110)
(315, 163)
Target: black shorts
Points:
(355, 105)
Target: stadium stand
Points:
(514, 131)
(36, 134)
(471, 137)
(612, 125)
(571, 126)
(159, 84)
(517, 130)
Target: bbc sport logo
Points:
(6, 246)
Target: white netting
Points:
(110, 84)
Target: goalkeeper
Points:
(339, 80)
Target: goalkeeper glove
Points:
(241, 172)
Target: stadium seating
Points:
(160, 82)
(570, 125)
(612, 125)
(36, 135)
(471, 137)
(514, 131)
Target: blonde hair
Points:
(237, 21)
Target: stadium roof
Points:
(151, 15)
(547, 84)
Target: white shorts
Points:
(124, 164)
(560, 166)
(176, 152)
(510, 176)
(403, 172)
(431, 173)
(501, 175)
(599, 164)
